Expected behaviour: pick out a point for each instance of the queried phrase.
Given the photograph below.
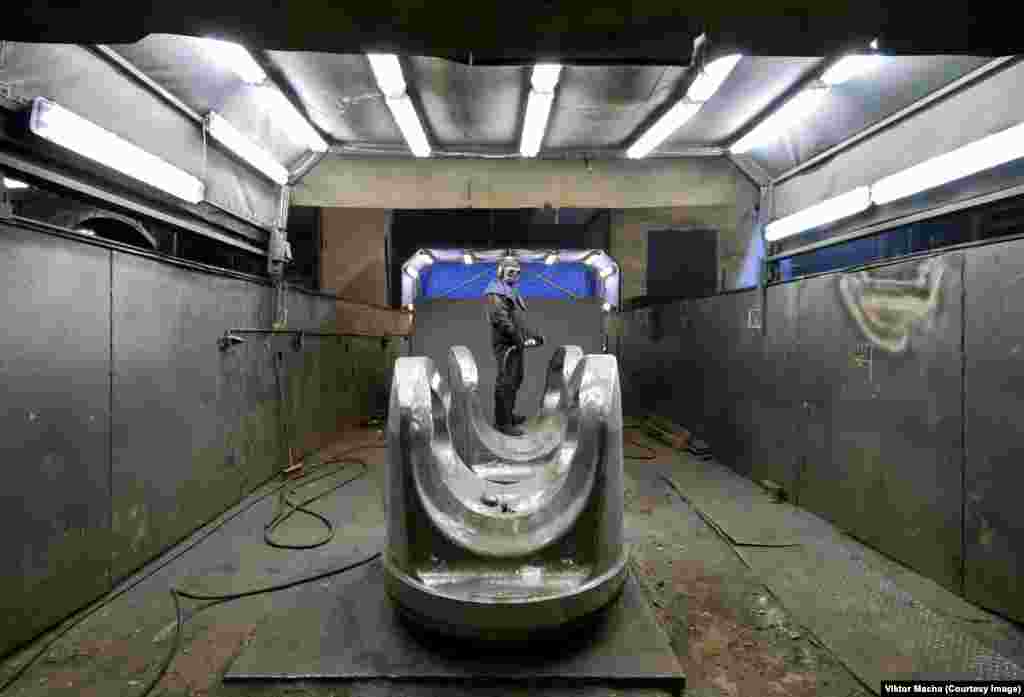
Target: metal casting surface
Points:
(480, 444)
(531, 549)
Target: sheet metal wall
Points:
(54, 416)
(859, 409)
(440, 324)
(126, 427)
(994, 402)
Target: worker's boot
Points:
(503, 418)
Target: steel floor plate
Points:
(346, 628)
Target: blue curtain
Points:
(458, 281)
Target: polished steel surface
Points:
(518, 546)
(478, 442)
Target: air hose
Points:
(213, 600)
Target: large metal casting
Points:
(483, 555)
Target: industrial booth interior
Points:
(217, 247)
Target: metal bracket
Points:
(6, 210)
(229, 340)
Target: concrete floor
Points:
(732, 635)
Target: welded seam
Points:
(110, 416)
(963, 427)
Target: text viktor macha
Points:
(952, 688)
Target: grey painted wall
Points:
(125, 428)
(885, 401)
(441, 324)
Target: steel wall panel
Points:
(441, 324)
(54, 414)
(178, 400)
(779, 418)
(880, 365)
(994, 401)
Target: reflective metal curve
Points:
(470, 556)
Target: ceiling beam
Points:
(470, 151)
(435, 183)
(120, 62)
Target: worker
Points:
(509, 337)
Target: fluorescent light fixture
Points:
(12, 184)
(606, 272)
(294, 122)
(236, 59)
(712, 77)
(409, 124)
(467, 258)
(538, 107)
(228, 136)
(668, 124)
(843, 206)
(388, 72)
(550, 259)
(790, 114)
(69, 130)
(849, 67)
(989, 152)
(706, 84)
(545, 76)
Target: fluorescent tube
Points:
(388, 72)
(228, 136)
(969, 159)
(545, 76)
(12, 184)
(668, 124)
(409, 124)
(790, 114)
(706, 84)
(538, 108)
(294, 122)
(712, 77)
(843, 206)
(851, 66)
(69, 130)
(235, 58)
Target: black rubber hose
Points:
(106, 601)
(177, 594)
